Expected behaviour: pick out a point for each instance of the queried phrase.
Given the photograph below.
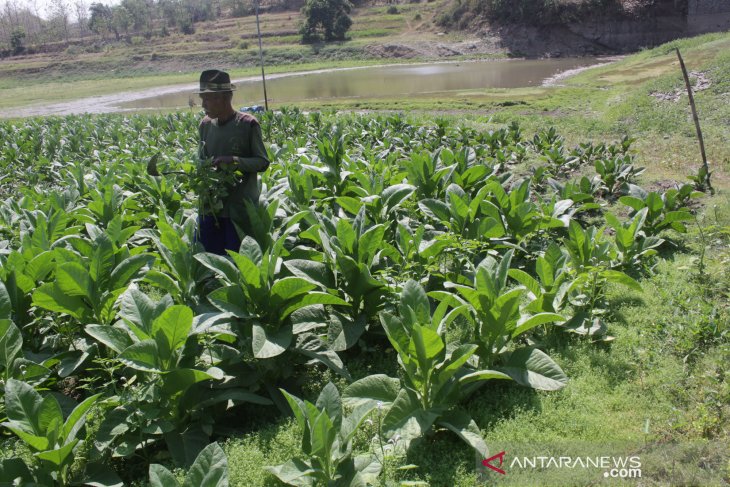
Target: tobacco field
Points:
(395, 270)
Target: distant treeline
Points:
(462, 13)
(27, 29)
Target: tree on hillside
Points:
(100, 20)
(140, 14)
(325, 20)
(60, 14)
(82, 16)
(17, 38)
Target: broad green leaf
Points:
(60, 455)
(483, 375)
(220, 265)
(397, 334)
(35, 442)
(677, 216)
(372, 389)
(251, 250)
(49, 413)
(6, 307)
(369, 243)
(315, 297)
(351, 423)
(29, 372)
(51, 297)
(294, 472)
(425, 345)
(114, 338)
(529, 322)
(526, 280)
(633, 202)
(15, 468)
(298, 408)
(343, 332)
(185, 446)
(210, 468)
(315, 348)
(141, 310)
(534, 368)
(456, 361)
(349, 204)
(179, 380)
(314, 272)
(129, 269)
(175, 323)
(249, 270)
(438, 210)
(395, 195)
(267, 344)
(461, 423)
(74, 280)
(101, 475)
(163, 281)
(414, 306)
(198, 398)
(654, 202)
(231, 299)
(346, 236)
(11, 342)
(161, 477)
(621, 278)
(289, 287)
(329, 401)
(102, 259)
(142, 356)
(407, 417)
(77, 418)
(323, 434)
(22, 405)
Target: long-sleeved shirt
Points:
(240, 137)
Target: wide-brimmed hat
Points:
(215, 81)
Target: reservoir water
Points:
(397, 81)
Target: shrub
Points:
(392, 10)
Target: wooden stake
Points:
(697, 122)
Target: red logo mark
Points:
(487, 463)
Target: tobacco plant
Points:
(266, 302)
(662, 211)
(498, 321)
(327, 444)
(13, 364)
(350, 257)
(434, 375)
(88, 281)
(210, 469)
(39, 422)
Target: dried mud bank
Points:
(602, 36)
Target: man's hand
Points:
(224, 162)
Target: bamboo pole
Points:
(696, 120)
(261, 55)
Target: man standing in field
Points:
(232, 141)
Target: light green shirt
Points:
(240, 137)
